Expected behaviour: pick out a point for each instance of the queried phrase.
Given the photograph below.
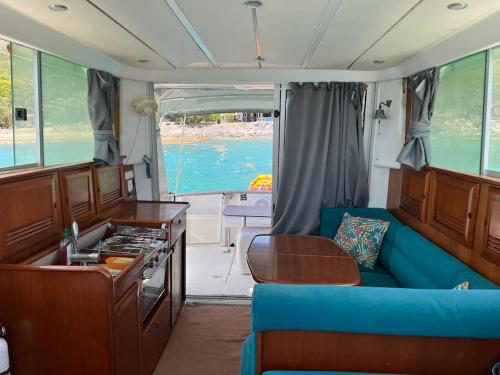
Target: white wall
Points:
(387, 139)
(135, 134)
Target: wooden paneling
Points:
(491, 237)
(78, 196)
(453, 206)
(333, 351)
(128, 333)
(155, 336)
(414, 192)
(31, 217)
(108, 186)
(463, 217)
(394, 190)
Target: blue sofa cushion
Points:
(390, 311)
(379, 279)
(415, 262)
(248, 354)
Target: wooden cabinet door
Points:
(414, 191)
(178, 277)
(78, 196)
(453, 207)
(127, 334)
(30, 218)
(491, 239)
(109, 187)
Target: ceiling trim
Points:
(385, 33)
(186, 23)
(319, 35)
(131, 33)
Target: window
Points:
(6, 138)
(493, 133)
(456, 131)
(23, 96)
(67, 131)
(18, 144)
(217, 152)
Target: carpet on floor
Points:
(206, 340)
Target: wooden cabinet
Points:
(109, 189)
(31, 217)
(127, 333)
(178, 277)
(414, 192)
(156, 335)
(78, 196)
(453, 207)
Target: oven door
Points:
(154, 286)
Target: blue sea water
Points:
(215, 165)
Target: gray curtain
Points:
(103, 90)
(416, 151)
(324, 163)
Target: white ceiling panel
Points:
(286, 28)
(85, 23)
(226, 28)
(155, 24)
(430, 22)
(357, 24)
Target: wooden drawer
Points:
(155, 336)
(177, 228)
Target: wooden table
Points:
(300, 259)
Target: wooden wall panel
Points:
(414, 192)
(31, 217)
(78, 196)
(453, 206)
(463, 217)
(370, 353)
(109, 189)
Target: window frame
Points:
(38, 111)
(486, 118)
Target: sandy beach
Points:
(175, 132)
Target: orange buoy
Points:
(262, 182)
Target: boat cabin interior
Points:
(261, 187)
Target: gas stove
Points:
(152, 244)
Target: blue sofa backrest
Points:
(418, 263)
(410, 258)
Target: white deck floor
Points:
(212, 272)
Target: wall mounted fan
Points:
(146, 106)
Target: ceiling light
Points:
(378, 61)
(253, 3)
(58, 7)
(143, 61)
(457, 6)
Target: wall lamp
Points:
(380, 113)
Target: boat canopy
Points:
(177, 101)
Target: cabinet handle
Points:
(469, 215)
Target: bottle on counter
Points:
(65, 248)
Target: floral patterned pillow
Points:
(361, 238)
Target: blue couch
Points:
(406, 258)
(408, 293)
